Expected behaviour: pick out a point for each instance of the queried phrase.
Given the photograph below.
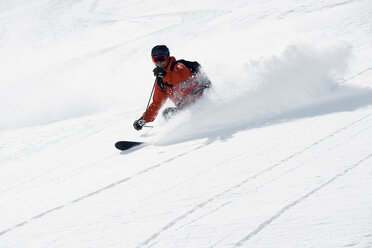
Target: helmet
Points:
(160, 50)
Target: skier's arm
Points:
(158, 100)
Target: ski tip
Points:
(125, 145)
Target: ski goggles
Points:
(160, 58)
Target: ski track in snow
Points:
(202, 204)
(299, 200)
(270, 168)
(110, 186)
(356, 75)
(307, 11)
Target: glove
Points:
(138, 124)
(159, 72)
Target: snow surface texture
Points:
(277, 154)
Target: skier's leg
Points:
(169, 112)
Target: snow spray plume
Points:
(269, 91)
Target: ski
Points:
(125, 145)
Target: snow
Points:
(277, 154)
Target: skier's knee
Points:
(169, 112)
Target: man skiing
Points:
(180, 81)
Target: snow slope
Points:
(278, 154)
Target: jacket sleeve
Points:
(180, 74)
(158, 101)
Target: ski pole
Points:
(148, 104)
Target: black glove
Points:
(159, 72)
(138, 124)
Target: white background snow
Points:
(278, 153)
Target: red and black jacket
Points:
(179, 85)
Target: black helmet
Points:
(160, 50)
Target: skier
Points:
(180, 81)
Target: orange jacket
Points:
(179, 85)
